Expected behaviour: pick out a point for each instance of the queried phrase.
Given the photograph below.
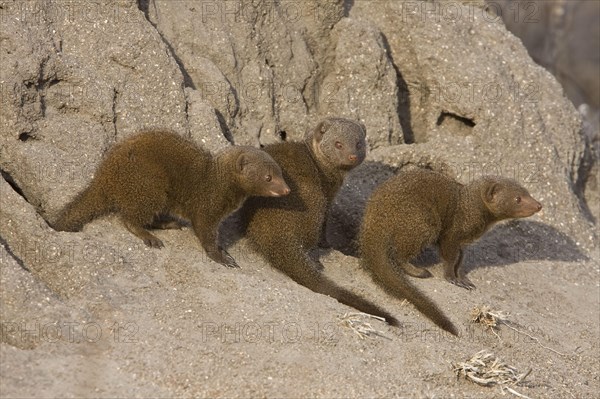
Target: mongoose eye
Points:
(518, 200)
(268, 177)
(338, 145)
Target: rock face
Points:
(564, 37)
(67, 95)
(478, 105)
(272, 68)
(438, 84)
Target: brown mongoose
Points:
(159, 173)
(419, 207)
(285, 230)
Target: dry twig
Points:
(484, 368)
(492, 319)
(359, 324)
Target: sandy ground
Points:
(163, 329)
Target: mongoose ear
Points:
(490, 191)
(318, 132)
(241, 162)
(363, 130)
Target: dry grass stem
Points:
(358, 323)
(484, 368)
(492, 319)
(536, 339)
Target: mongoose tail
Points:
(300, 268)
(396, 284)
(87, 205)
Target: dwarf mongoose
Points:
(284, 230)
(158, 173)
(419, 207)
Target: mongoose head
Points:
(338, 142)
(258, 174)
(507, 199)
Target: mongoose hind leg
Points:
(136, 219)
(452, 256)
(408, 246)
(414, 271)
(140, 197)
(461, 274)
(139, 231)
(206, 232)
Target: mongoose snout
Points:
(526, 206)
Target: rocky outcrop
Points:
(477, 105)
(75, 79)
(564, 37)
(439, 85)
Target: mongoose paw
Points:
(228, 260)
(462, 282)
(467, 283)
(231, 263)
(153, 242)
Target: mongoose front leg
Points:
(323, 236)
(452, 256)
(148, 238)
(407, 267)
(458, 271)
(207, 234)
(223, 257)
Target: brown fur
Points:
(284, 230)
(417, 208)
(158, 173)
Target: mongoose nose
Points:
(352, 157)
(539, 207)
(286, 191)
